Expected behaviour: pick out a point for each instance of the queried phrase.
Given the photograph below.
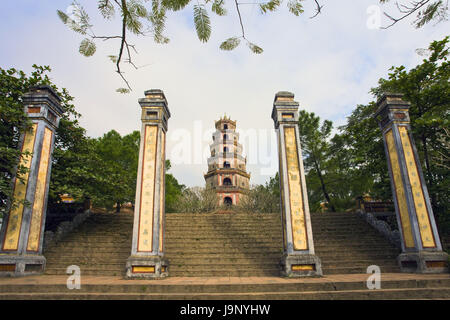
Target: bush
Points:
(197, 200)
(259, 199)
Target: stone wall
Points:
(64, 228)
(392, 235)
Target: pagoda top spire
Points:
(225, 121)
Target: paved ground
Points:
(46, 279)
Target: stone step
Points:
(389, 294)
(294, 286)
(176, 272)
(241, 228)
(357, 270)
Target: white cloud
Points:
(329, 62)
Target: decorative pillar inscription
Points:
(295, 191)
(422, 250)
(145, 243)
(14, 221)
(400, 191)
(21, 236)
(147, 252)
(299, 259)
(39, 198)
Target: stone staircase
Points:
(100, 246)
(346, 244)
(222, 245)
(393, 286)
(225, 257)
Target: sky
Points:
(329, 63)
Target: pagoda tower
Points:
(227, 173)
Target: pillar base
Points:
(148, 267)
(21, 265)
(301, 265)
(423, 262)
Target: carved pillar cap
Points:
(285, 109)
(392, 109)
(44, 95)
(391, 101)
(155, 107)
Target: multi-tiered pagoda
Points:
(227, 173)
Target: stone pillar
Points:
(421, 247)
(299, 259)
(22, 232)
(147, 252)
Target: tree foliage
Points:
(197, 200)
(13, 123)
(353, 162)
(174, 190)
(103, 169)
(427, 88)
(261, 198)
(315, 148)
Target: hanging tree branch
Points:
(426, 11)
(318, 9)
(140, 18)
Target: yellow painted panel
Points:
(295, 191)
(399, 191)
(161, 193)
(302, 267)
(283, 209)
(145, 241)
(20, 190)
(426, 233)
(436, 264)
(144, 269)
(7, 267)
(39, 196)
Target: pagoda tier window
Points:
(228, 201)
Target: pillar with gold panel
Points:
(421, 246)
(299, 259)
(22, 233)
(147, 252)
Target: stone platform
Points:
(331, 287)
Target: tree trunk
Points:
(322, 183)
(118, 207)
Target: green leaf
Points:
(123, 90)
(113, 58)
(64, 17)
(106, 8)
(437, 10)
(174, 5)
(87, 47)
(158, 19)
(295, 7)
(133, 24)
(230, 44)
(269, 6)
(255, 48)
(80, 23)
(218, 8)
(202, 23)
